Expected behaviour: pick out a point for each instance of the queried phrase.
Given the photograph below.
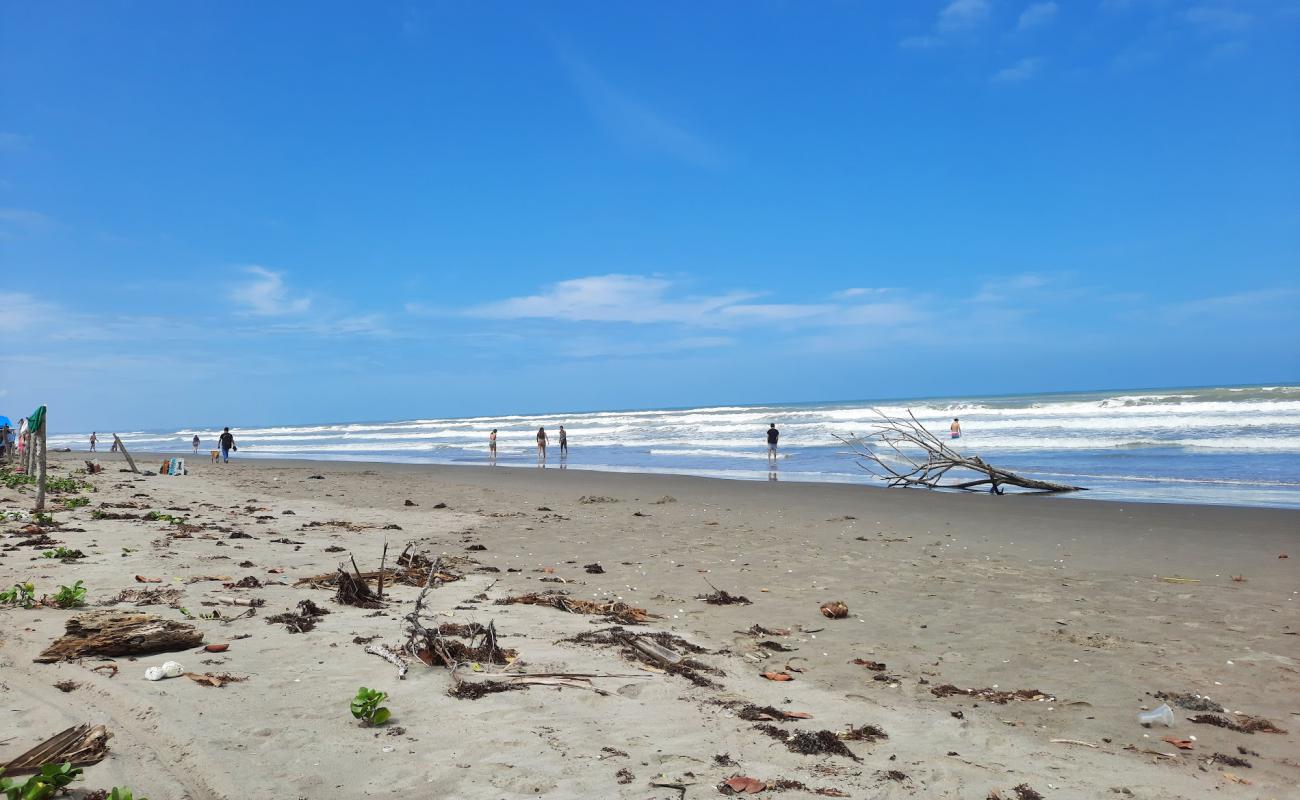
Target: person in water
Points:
(773, 435)
(564, 442)
(94, 439)
(195, 442)
(492, 446)
(955, 428)
(541, 445)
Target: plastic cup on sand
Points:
(1162, 715)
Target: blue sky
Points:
(247, 213)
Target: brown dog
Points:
(216, 455)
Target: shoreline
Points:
(1096, 605)
(1088, 494)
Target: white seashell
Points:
(172, 669)
(154, 674)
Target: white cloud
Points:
(611, 298)
(267, 295)
(633, 122)
(642, 299)
(1242, 306)
(962, 15)
(1022, 70)
(1219, 18)
(1037, 15)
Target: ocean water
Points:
(1225, 445)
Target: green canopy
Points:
(36, 420)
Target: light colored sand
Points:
(1055, 595)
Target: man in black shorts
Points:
(772, 436)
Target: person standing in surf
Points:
(94, 439)
(564, 443)
(492, 446)
(773, 435)
(541, 445)
(954, 430)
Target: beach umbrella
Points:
(5, 421)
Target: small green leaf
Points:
(381, 716)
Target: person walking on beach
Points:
(94, 439)
(772, 436)
(541, 445)
(195, 442)
(954, 430)
(492, 446)
(564, 443)
(227, 443)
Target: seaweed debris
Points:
(1191, 702)
(303, 621)
(619, 612)
(864, 733)
(1247, 724)
(815, 743)
(991, 695)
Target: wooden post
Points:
(382, 560)
(39, 439)
(122, 447)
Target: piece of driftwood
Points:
(902, 452)
(80, 745)
(391, 656)
(121, 446)
(120, 633)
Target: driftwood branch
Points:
(902, 452)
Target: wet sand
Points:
(1064, 597)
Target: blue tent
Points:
(5, 421)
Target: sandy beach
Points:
(1092, 607)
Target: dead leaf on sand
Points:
(214, 679)
(742, 784)
(1181, 744)
(1234, 778)
(143, 579)
(874, 666)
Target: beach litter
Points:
(169, 669)
(80, 745)
(1160, 715)
(777, 676)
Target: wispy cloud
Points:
(957, 18)
(643, 300)
(13, 142)
(16, 221)
(1037, 15)
(962, 15)
(611, 298)
(1239, 306)
(1022, 70)
(265, 294)
(633, 122)
(1219, 18)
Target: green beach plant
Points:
(72, 596)
(75, 502)
(366, 706)
(62, 552)
(42, 785)
(122, 793)
(22, 594)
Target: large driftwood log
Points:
(120, 633)
(902, 452)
